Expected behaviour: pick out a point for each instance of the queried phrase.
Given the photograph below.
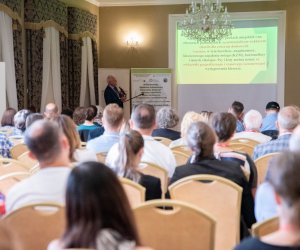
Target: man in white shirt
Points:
(50, 147)
(143, 120)
(252, 122)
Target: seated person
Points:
(237, 109)
(77, 153)
(51, 111)
(131, 148)
(224, 125)
(252, 122)
(269, 126)
(97, 211)
(284, 179)
(166, 118)
(187, 120)
(85, 128)
(201, 140)
(48, 144)
(113, 119)
(143, 121)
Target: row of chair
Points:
(181, 226)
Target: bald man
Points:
(51, 111)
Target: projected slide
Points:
(249, 56)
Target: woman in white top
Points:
(77, 153)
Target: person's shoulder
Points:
(250, 244)
(149, 179)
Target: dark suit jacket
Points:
(226, 169)
(152, 185)
(167, 133)
(111, 96)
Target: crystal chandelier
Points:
(207, 21)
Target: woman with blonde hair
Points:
(77, 153)
(189, 118)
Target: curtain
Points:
(87, 74)
(51, 88)
(7, 52)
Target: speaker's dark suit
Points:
(112, 96)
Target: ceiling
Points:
(153, 2)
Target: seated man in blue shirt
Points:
(237, 109)
(113, 118)
(268, 126)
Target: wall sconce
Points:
(133, 40)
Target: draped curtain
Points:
(51, 87)
(74, 28)
(7, 54)
(87, 74)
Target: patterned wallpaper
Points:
(37, 11)
(14, 5)
(80, 21)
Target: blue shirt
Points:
(87, 127)
(269, 122)
(239, 126)
(104, 142)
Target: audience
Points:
(32, 118)
(252, 122)
(131, 148)
(201, 140)
(51, 111)
(20, 120)
(97, 211)
(265, 204)
(5, 146)
(288, 119)
(166, 118)
(113, 119)
(237, 109)
(187, 120)
(77, 153)
(79, 115)
(143, 120)
(50, 147)
(284, 179)
(7, 120)
(224, 125)
(268, 126)
(88, 125)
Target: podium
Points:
(3, 88)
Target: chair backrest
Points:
(36, 225)
(17, 150)
(183, 227)
(16, 139)
(163, 140)
(262, 164)
(242, 147)
(7, 181)
(101, 157)
(250, 142)
(156, 171)
(10, 165)
(7, 238)
(180, 157)
(135, 192)
(218, 196)
(184, 149)
(27, 160)
(260, 229)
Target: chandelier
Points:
(207, 21)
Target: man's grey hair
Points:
(43, 140)
(20, 119)
(166, 117)
(143, 116)
(295, 140)
(253, 120)
(288, 117)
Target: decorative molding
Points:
(111, 3)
